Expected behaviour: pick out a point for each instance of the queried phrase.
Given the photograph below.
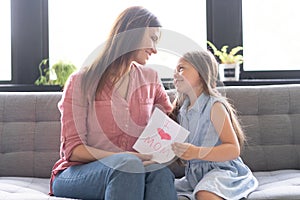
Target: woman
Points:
(104, 109)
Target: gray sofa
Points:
(270, 115)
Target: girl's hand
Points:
(186, 151)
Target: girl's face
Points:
(148, 45)
(186, 78)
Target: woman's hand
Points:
(186, 151)
(146, 158)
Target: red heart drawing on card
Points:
(163, 135)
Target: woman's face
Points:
(148, 45)
(186, 78)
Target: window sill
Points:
(250, 82)
(29, 88)
(168, 83)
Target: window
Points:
(76, 28)
(271, 35)
(5, 40)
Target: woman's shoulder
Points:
(145, 74)
(74, 80)
(144, 69)
(76, 76)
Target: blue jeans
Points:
(120, 176)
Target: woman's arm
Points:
(85, 154)
(228, 150)
(74, 108)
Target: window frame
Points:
(30, 18)
(227, 15)
(8, 81)
(29, 39)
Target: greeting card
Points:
(157, 137)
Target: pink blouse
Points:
(109, 123)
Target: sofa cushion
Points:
(25, 188)
(281, 184)
(29, 133)
(270, 116)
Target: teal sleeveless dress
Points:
(230, 179)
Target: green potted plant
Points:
(60, 71)
(229, 67)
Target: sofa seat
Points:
(25, 188)
(279, 184)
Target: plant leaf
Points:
(214, 48)
(224, 49)
(235, 50)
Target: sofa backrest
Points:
(29, 133)
(270, 116)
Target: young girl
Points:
(214, 169)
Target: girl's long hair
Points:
(206, 65)
(113, 61)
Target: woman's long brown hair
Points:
(113, 61)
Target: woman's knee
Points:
(164, 173)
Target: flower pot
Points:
(229, 72)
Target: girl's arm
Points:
(228, 150)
